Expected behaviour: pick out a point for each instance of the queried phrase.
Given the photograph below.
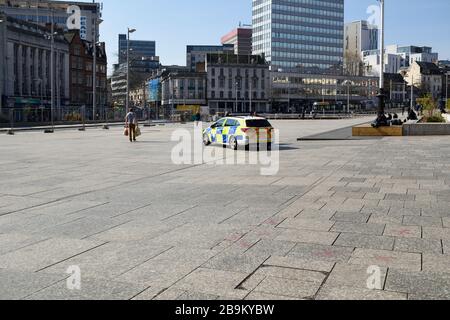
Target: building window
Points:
(213, 94)
(213, 83)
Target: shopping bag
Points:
(138, 131)
(125, 132)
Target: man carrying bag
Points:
(131, 124)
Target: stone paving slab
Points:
(317, 237)
(298, 263)
(215, 282)
(354, 276)
(415, 245)
(399, 231)
(341, 293)
(317, 252)
(419, 283)
(46, 253)
(384, 258)
(361, 228)
(91, 289)
(354, 240)
(436, 262)
(15, 285)
(288, 287)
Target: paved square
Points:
(337, 215)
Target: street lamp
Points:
(381, 119)
(348, 83)
(236, 104)
(52, 73)
(129, 31)
(446, 89)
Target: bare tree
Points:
(353, 64)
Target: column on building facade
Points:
(19, 74)
(36, 82)
(9, 87)
(28, 65)
(45, 82)
(66, 76)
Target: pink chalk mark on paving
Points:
(404, 232)
(233, 238)
(325, 253)
(272, 222)
(384, 259)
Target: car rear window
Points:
(260, 123)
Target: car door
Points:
(229, 130)
(217, 131)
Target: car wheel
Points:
(233, 143)
(206, 140)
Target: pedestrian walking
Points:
(131, 123)
(198, 118)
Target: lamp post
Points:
(348, 83)
(381, 119)
(446, 89)
(52, 75)
(236, 104)
(129, 31)
(97, 21)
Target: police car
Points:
(239, 131)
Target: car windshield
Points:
(259, 123)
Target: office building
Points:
(295, 92)
(359, 36)
(397, 58)
(48, 11)
(196, 54)
(410, 54)
(241, 39)
(300, 35)
(183, 92)
(138, 48)
(237, 83)
(393, 63)
(25, 70)
(140, 70)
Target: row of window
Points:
(255, 83)
(300, 37)
(301, 59)
(295, 8)
(306, 47)
(298, 19)
(302, 29)
(238, 72)
(255, 95)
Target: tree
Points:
(431, 108)
(353, 64)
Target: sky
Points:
(175, 23)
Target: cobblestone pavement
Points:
(140, 227)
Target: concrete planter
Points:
(426, 129)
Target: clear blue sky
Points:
(175, 23)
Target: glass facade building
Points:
(138, 48)
(301, 35)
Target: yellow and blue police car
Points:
(239, 131)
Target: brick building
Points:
(81, 73)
